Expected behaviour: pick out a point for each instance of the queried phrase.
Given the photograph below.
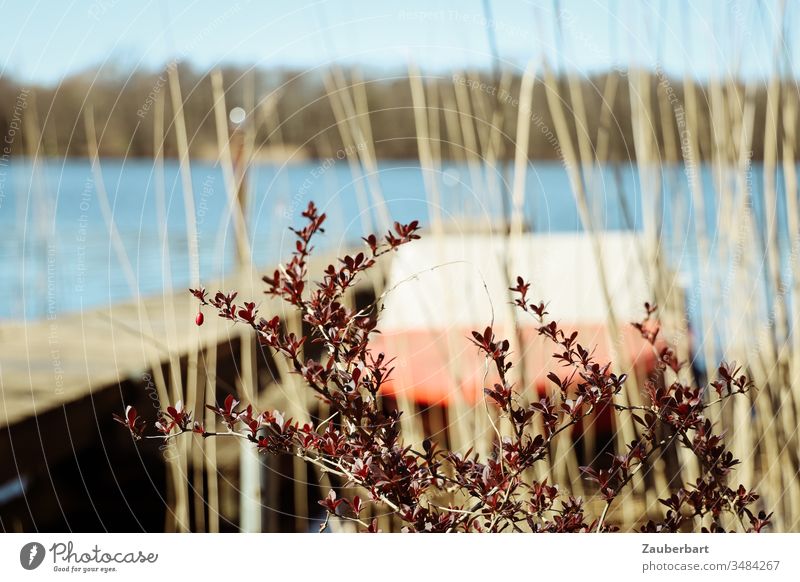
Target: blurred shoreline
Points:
(291, 115)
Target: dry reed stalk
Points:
(250, 462)
(691, 160)
(210, 420)
(723, 163)
(233, 182)
(357, 153)
(494, 147)
(516, 221)
(647, 156)
(790, 116)
(790, 119)
(434, 123)
(481, 110)
(452, 126)
(667, 290)
(298, 403)
(367, 155)
(766, 352)
(424, 149)
(37, 193)
(186, 175)
(356, 107)
(572, 166)
(179, 517)
(345, 133)
(192, 244)
(267, 109)
(580, 168)
(468, 425)
(521, 140)
(672, 313)
(744, 436)
(771, 217)
(355, 114)
(248, 384)
(234, 179)
(169, 304)
(730, 153)
(426, 117)
(512, 233)
(458, 415)
(197, 449)
(491, 154)
(651, 260)
(776, 375)
(467, 121)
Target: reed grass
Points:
(746, 313)
(178, 512)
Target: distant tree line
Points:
(292, 111)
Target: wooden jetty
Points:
(62, 378)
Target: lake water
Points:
(56, 252)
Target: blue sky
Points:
(43, 41)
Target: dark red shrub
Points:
(363, 445)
